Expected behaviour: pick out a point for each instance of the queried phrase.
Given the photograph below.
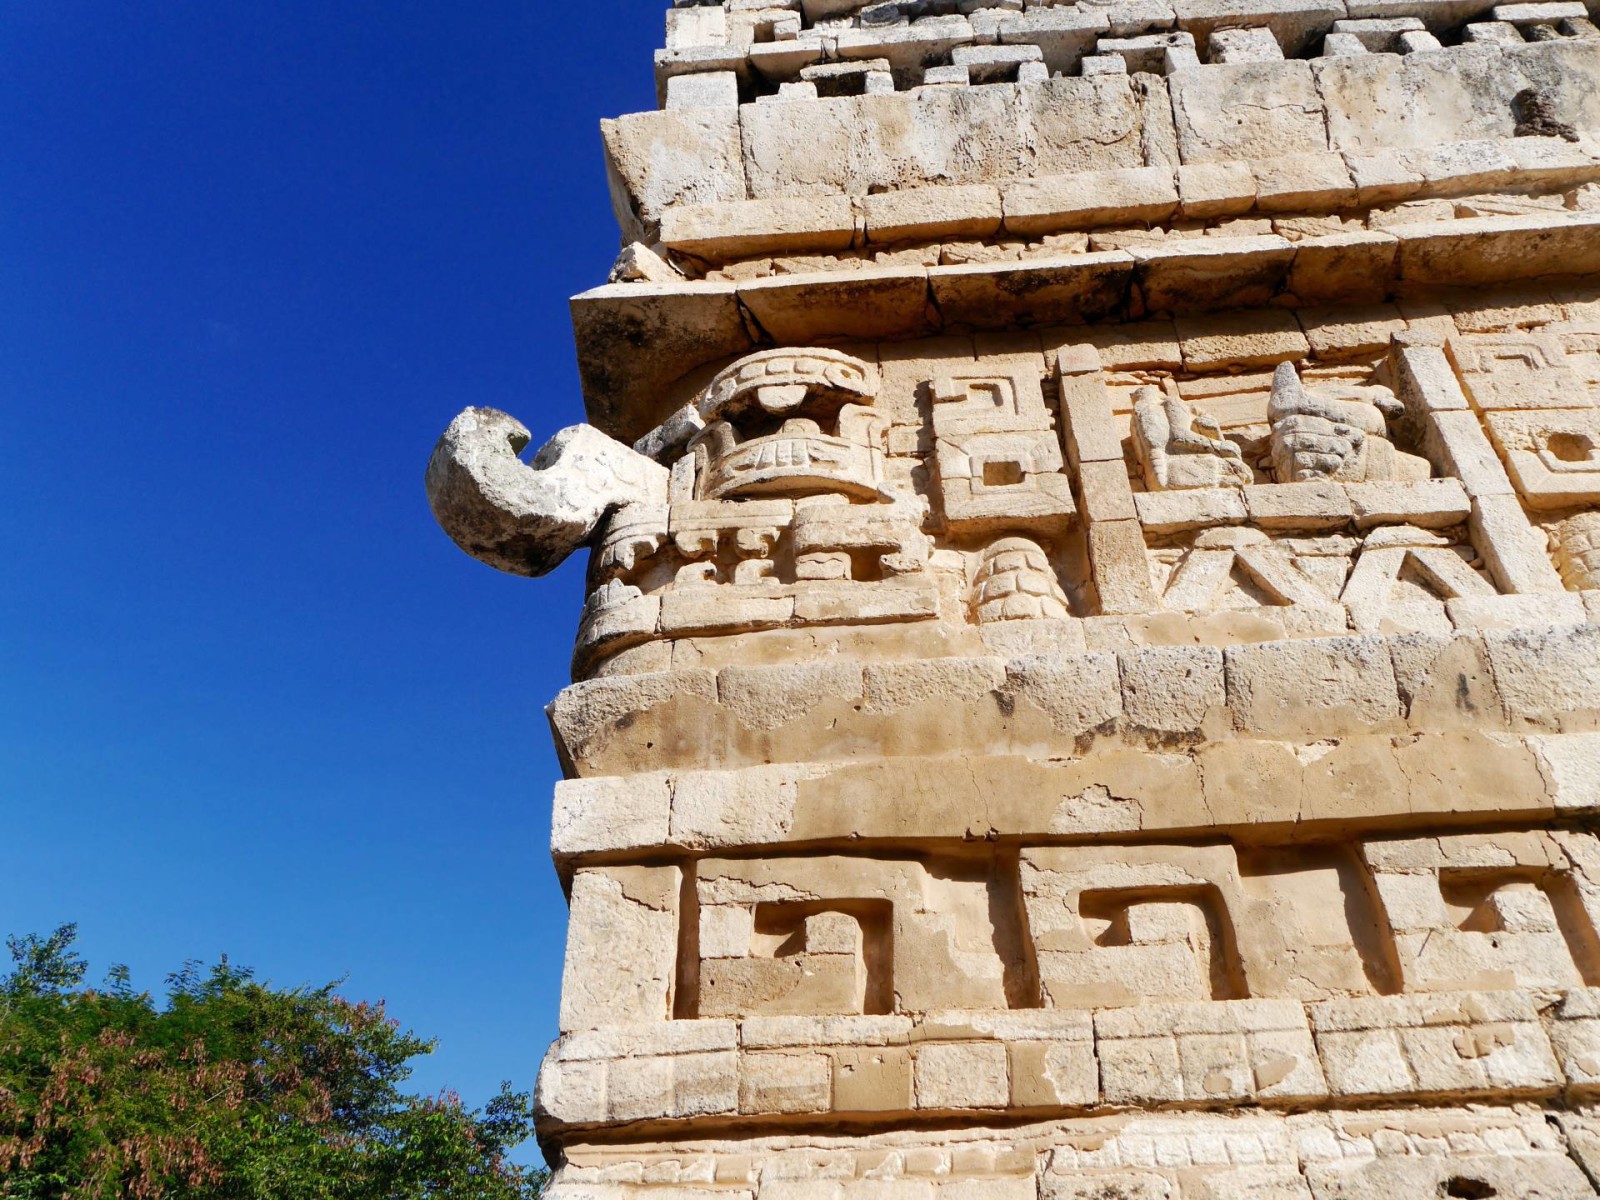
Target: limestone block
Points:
(1138, 344)
(1574, 1026)
(1313, 688)
(1121, 567)
(1095, 65)
(1248, 110)
(1132, 925)
(1357, 267)
(1570, 764)
(1198, 508)
(1430, 504)
(635, 907)
(696, 27)
(968, 211)
(1337, 333)
(1245, 45)
(1549, 678)
(1294, 24)
(801, 1032)
(1061, 1073)
(962, 1075)
(594, 815)
(855, 146)
(1258, 339)
(1198, 274)
(1524, 1177)
(1463, 1043)
(1472, 912)
(1171, 689)
(1515, 612)
(1083, 201)
(872, 1079)
(1090, 432)
(740, 228)
(685, 325)
(1075, 287)
(1309, 506)
(703, 1085)
(1107, 1185)
(1248, 1050)
(1008, 1188)
(1303, 182)
(1106, 494)
(1387, 179)
(806, 309)
(1217, 189)
(1062, 34)
(920, 940)
(1499, 249)
(1455, 443)
(665, 1038)
(1388, 101)
(732, 808)
(1516, 554)
(655, 160)
(571, 1093)
(1446, 681)
(1086, 124)
(707, 89)
(785, 1083)
(1246, 1183)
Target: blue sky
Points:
(253, 258)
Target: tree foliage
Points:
(230, 1089)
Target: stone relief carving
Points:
(795, 493)
(527, 518)
(1337, 433)
(1178, 448)
(1105, 926)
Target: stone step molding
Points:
(1267, 1054)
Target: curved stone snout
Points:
(526, 518)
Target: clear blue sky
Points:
(253, 258)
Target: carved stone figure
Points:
(1335, 432)
(1178, 448)
(526, 518)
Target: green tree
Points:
(229, 1090)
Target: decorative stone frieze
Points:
(1089, 681)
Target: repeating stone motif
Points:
(1089, 685)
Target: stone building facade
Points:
(1090, 678)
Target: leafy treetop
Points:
(230, 1089)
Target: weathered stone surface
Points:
(1088, 682)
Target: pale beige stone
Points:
(1248, 110)
(972, 210)
(785, 1083)
(632, 906)
(974, 785)
(1252, 340)
(962, 1075)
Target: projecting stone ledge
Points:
(643, 348)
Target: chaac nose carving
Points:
(525, 518)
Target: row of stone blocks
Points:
(1104, 54)
(770, 42)
(1526, 680)
(1317, 182)
(1489, 1046)
(998, 134)
(1518, 1152)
